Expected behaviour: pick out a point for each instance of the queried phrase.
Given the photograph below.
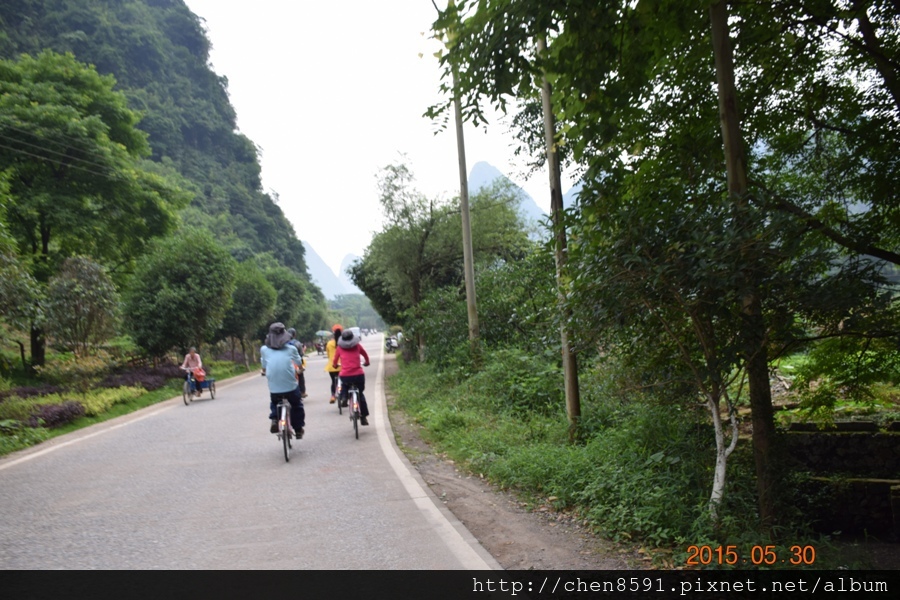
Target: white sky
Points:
(331, 93)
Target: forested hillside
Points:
(120, 160)
(158, 52)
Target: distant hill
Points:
(484, 174)
(345, 279)
(571, 197)
(322, 275)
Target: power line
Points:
(18, 141)
(58, 132)
(110, 174)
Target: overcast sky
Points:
(332, 93)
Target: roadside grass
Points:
(641, 473)
(97, 406)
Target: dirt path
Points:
(516, 537)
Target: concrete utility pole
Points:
(468, 261)
(570, 364)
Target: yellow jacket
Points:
(330, 349)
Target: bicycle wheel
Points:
(186, 392)
(212, 390)
(285, 433)
(354, 413)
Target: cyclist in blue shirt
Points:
(301, 377)
(278, 358)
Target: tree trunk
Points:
(753, 327)
(722, 452)
(569, 362)
(22, 354)
(38, 347)
(244, 352)
(468, 260)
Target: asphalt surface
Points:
(206, 486)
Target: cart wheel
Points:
(212, 390)
(186, 392)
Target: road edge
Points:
(458, 538)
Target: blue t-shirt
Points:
(279, 367)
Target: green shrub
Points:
(642, 472)
(99, 401)
(521, 383)
(15, 436)
(79, 373)
(17, 409)
(94, 402)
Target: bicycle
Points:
(191, 386)
(285, 432)
(353, 406)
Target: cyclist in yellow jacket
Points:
(330, 349)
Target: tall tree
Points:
(179, 293)
(497, 48)
(252, 305)
(72, 150)
(82, 305)
(753, 330)
(419, 248)
(631, 88)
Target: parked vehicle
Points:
(391, 344)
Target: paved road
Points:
(206, 486)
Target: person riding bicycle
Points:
(348, 353)
(331, 348)
(278, 359)
(193, 366)
(301, 378)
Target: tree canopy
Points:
(420, 247)
(180, 293)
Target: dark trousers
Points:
(298, 415)
(334, 380)
(360, 382)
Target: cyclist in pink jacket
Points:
(348, 355)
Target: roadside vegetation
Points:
(728, 270)
(133, 224)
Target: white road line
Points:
(460, 541)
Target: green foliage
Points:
(78, 372)
(520, 382)
(100, 401)
(420, 248)
(253, 302)
(95, 402)
(19, 293)
(640, 473)
(845, 369)
(159, 54)
(179, 293)
(82, 305)
(72, 148)
(291, 290)
(354, 310)
(15, 436)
